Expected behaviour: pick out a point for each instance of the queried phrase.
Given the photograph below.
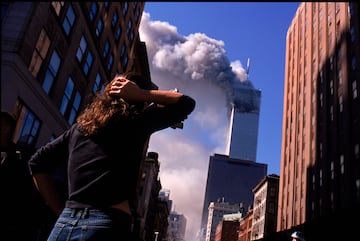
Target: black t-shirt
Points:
(103, 169)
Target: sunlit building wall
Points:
(320, 155)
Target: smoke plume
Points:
(197, 65)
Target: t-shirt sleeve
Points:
(159, 118)
(49, 156)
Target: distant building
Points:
(266, 195)
(244, 124)
(227, 230)
(246, 226)
(164, 195)
(232, 176)
(217, 210)
(177, 227)
(233, 180)
(150, 186)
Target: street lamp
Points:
(156, 235)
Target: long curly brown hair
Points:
(98, 113)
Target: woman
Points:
(103, 151)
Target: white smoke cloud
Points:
(197, 65)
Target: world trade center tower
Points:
(231, 177)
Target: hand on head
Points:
(124, 88)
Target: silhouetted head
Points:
(298, 236)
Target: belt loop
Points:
(85, 214)
(73, 212)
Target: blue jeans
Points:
(83, 224)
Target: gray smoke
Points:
(197, 58)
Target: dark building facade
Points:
(232, 180)
(56, 55)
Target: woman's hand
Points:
(132, 93)
(126, 89)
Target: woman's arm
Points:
(130, 92)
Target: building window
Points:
(51, 72)
(67, 96)
(69, 20)
(93, 11)
(125, 9)
(115, 19)
(331, 87)
(106, 49)
(353, 63)
(74, 108)
(321, 99)
(118, 33)
(331, 113)
(57, 5)
(82, 48)
(352, 34)
(97, 84)
(354, 90)
(107, 5)
(81, 53)
(341, 103)
(30, 126)
(99, 27)
(137, 16)
(39, 54)
(88, 63)
(135, 5)
(66, 100)
(320, 150)
(342, 167)
(111, 61)
(131, 37)
(129, 26)
(122, 52)
(125, 63)
(320, 178)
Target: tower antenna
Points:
(248, 67)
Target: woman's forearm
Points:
(162, 97)
(130, 92)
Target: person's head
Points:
(7, 124)
(99, 111)
(297, 236)
(97, 114)
(140, 81)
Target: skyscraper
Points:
(244, 125)
(232, 177)
(320, 156)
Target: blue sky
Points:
(189, 44)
